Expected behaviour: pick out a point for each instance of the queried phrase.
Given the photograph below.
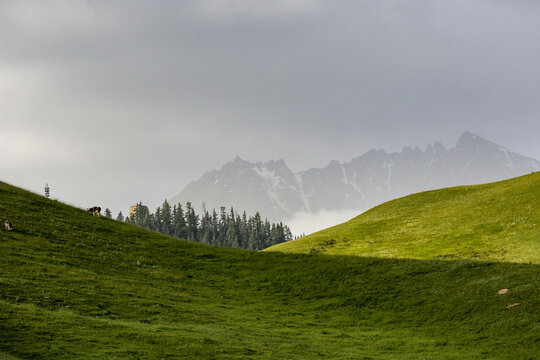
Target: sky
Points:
(116, 102)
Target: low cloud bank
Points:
(309, 223)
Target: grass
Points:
(74, 286)
(494, 222)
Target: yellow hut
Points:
(132, 210)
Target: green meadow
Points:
(75, 286)
(493, 222)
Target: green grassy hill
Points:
(73, 286)
(498, 221)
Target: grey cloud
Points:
(153, 94)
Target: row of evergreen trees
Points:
(223, 229)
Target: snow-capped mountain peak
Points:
(272, 189)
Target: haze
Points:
(115, 102)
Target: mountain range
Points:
(277, 193)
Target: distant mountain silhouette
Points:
(372, 178)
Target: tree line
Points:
(226, 228)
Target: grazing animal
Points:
(9, 225)
(96, 210)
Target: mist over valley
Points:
(317, 198)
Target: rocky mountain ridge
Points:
(272, 189)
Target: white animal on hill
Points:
(9, 225)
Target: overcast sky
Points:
(115, 102)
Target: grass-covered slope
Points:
(498, 221)
(76, 286)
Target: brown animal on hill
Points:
(9, 225)
(96, 210)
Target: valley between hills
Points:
(445, 274)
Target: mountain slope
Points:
(74, 286)
(497, 221)
(375, 177)
(270, 188)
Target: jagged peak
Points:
(279, 162)
(271, 164)
(238, 162)
(469, 135)
(308, 189)
(406, 149)
(376, 151)
(372, 153)
(436, 147)
(439, 146)
(468, 138)
(333, 163)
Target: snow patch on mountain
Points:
(277, 193)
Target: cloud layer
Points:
(121, 101)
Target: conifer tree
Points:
(47, 191)
(239, 233)
(206, 228)
(108, 213)
(231, 238)
(222, 227)
(141, 216)
(267, 235)
(215, 228)
(252, 241)
(226, 229)
(120, 216)
(244, 229)
(288, 233)
(192, 222)
(166, 219)
(179, 223)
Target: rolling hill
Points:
(74, 286)
(497, 222)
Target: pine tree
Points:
(192, 223)
(238, 228)
(257, 232)
(108, 213)
(166, 216)
(179, 223)
(252, 241)
(47, 191)
(120, 216)
(288, 233)
(267, 235)
(244, 233)
(141, 216)
(222, 229)
(231, 238)
(215, 228)
(232, 235)
(206, 228)
(157, 222)
(226, 229)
